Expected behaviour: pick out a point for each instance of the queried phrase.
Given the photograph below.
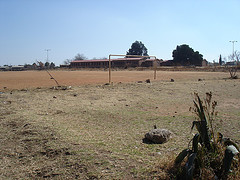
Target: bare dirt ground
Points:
(29, 79)
(95, 131)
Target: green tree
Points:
(138, 48)
(47, 64)
(184, 55)
(220, 60)
(52, 65)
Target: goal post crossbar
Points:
(110, 76)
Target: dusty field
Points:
(95, 131)
(29, 79)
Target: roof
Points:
(94, 60)
(105, 60)
(149, 59)
(19, 66)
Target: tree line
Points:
(183, 55)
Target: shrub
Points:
(209, 155)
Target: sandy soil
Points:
(29, 79)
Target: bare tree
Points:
(40, 64)
(235, 57)
(67, 62)
(233, 72)
(99, 58)
(80, 57)
(76, 58)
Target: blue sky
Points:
(97, 28)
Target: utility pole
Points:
(47, 53)
(233, 47)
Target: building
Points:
(115, 63)
(204, 63)
(17, 68)
(12, 68)
(5, 68)
(231, 63)
(167, 63)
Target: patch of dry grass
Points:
(96, 131)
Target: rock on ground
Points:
(158, 136)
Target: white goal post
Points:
(155, 64)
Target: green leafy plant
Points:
(208, 156)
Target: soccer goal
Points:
(154, 64)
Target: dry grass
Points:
(96, 131)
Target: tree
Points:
(99, 58)
(34, 66)
(80, 57)
(76, 58)
(47, 64)
(220, 60)
(67, 62)
(40, 64)
(138, 48)
(234, 57)
(237, 56)
(184, 55)
(52, 65)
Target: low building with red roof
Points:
(115, 63)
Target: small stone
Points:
(148, 81)
(64, 88)
(24, 90)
